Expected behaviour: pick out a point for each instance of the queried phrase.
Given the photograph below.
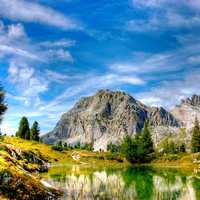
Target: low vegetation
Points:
(60, 146)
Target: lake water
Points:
(85, 183)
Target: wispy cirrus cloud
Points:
(59, 54)
(21, 10)
(27, 81)
(14, 42)
(56, 76)
(162, 21)
(64, 43)
(185, 57)
(165, 15)
(13, 50)
(90, 83)
(194, 4)
(170, 93)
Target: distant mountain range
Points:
(108, 116)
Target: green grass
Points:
(63, 157)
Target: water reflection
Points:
(124, 184)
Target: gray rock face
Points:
(106, 117)
(187, 111)
(193, 101)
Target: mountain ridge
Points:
(108, 116)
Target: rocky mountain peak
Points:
(193, 101)
(106, 117)
(187, 111)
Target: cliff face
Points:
(106, 117)
(187, 111)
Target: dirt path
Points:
(76, 157)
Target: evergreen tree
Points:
(146, 140)
(3, 106)
(58, 146)
(35, 131)
(24, 130)
(129, 148)
(138, 148)
(195, 141)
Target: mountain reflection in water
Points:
(124, 184)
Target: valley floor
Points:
(21, 162)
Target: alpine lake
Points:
(85, 182)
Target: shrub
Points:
(113, 148)
(87, 146)
(58, 146)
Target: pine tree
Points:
(24, 130)
(146, 140)
(195, 141)
(3, 106)
(35, 131)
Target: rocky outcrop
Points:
(161, 117)
(193, 101)
(187, 111)
(107, 117)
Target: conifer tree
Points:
(195, 141)
(35, 131)
(3, 106)
(24, 130)
(146, 140)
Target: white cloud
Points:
(16, 31)
(56, 77)
(170, 93)
(193, 4)
(162, 21)
(14, 43)
(7, 128)
(149, 63)
(89, 84)
(59, 43)
(171, 61)
(27, 82)
(141, 25)
(33, 12)
(59, 54)
(152, 3)
(12, 50)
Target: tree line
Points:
(140, 148)
(26, 133)
(23, 131)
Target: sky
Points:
(54, 52)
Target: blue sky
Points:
(54, 52)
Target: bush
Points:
(113, 148)
(58, 146)
(87, 146)
(78, 146)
